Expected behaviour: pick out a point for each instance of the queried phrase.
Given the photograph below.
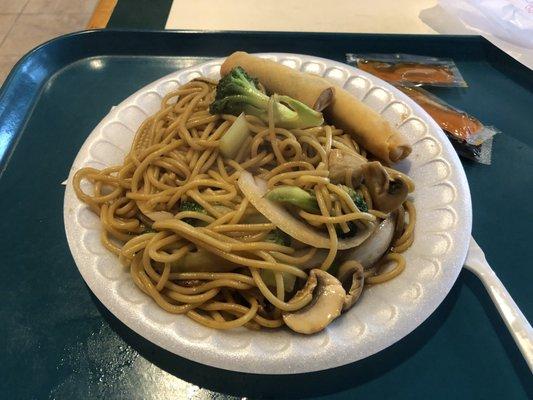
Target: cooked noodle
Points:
(174, 158)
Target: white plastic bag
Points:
(510, 20)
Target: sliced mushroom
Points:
(352, 277)
(326, 304)
(342, 164)
(387, 193)
(374, 247)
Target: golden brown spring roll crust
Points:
(311, 90)
(369, 128)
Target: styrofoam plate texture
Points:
(385, 314)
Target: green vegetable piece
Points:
(295, 196)
(356, 197)
(279, 237)
(237, 92)
(234, 138)
(361, 205)
(351, 233)
(192, 206)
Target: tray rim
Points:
(18, 65)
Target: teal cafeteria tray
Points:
(58, 341)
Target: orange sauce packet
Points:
(471, 138)
(409, 70)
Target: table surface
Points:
(364, 16)
(58, 341)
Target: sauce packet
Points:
(470, 138)
(409, 70)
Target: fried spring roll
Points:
(369, 128)
(343, 109)
(313, 91)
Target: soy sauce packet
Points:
(409, 70)
(470, 137)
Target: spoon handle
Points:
(516, 322)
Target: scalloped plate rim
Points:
(197, 350)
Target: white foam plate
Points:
(385, 314)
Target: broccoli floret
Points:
(351, 233)
(279, 237)
(361, 205)
(237, 92)
(192, 206)
(356, 197)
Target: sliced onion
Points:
(373, 249)
(367, 253)
(255, 190)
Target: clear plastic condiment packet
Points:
(470, 138)
(409, 70)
